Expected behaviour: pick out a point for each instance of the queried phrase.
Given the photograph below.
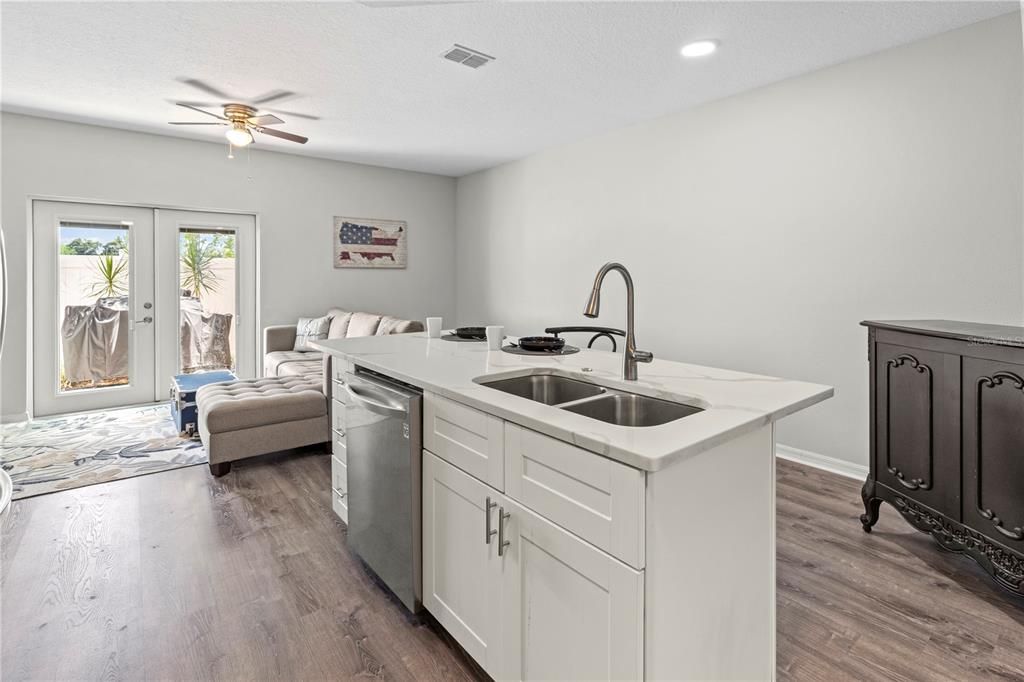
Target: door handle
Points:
(146, 320)
(487, 524)
(502, 542)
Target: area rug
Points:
(71, 451)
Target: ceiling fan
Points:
(242, 120)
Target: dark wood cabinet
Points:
(947, 437)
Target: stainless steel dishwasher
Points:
(383, 429)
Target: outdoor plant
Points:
(197, 272)
(110, 277)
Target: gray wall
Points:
(762, 228)
(296, 198)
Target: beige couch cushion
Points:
(280, 362)
(339, 323)
(259, 402)
(395, 325)
(313, 367)
(363, 324)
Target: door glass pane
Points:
(207, 306)
(93, 268)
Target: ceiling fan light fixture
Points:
(239, 135)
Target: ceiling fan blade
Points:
(273, 95)
(208, 89)
(295, 114)
(264, 120)
(194, 103)
(283, 135)
(195, 123)
(201, 111)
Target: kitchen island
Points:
(560, 546)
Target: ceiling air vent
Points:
(467, 56)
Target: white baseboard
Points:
(819, 461)
(13, 418)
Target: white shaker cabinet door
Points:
(570, 611)
(461, 580)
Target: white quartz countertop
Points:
(734, 402)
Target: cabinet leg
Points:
(871, 504)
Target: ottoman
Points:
(255, 416)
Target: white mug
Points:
(495, 335)
(434, 327)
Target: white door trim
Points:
(135, 204)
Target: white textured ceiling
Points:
(374, 77)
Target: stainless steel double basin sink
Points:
(611, 405)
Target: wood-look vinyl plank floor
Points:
(889, 605)
(183, 576)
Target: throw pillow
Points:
(310, 329)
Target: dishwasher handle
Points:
(375, 401)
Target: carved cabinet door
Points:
(917, 419)
(994, 449)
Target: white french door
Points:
(126, 297)
(223, 245)
(92, 300)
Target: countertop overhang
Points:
(737, 402)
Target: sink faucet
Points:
(631, 356)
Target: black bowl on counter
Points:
(541, 343)
(471, 332)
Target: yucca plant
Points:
(197, 266)
(110, 277)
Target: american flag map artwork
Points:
(369, 243)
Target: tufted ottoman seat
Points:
(252, 417)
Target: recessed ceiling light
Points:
(699, 48)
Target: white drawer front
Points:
(339, 475)
(597, 499)
(339, 450)
(338, 391)
(339, 501)
(468, 438)
(339, 367)
(338, 417)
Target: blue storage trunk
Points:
(183, 398)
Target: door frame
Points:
(30, 359)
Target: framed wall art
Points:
(370, 243)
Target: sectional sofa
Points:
(287, 407)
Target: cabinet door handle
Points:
(502, 542)
(487, 524)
